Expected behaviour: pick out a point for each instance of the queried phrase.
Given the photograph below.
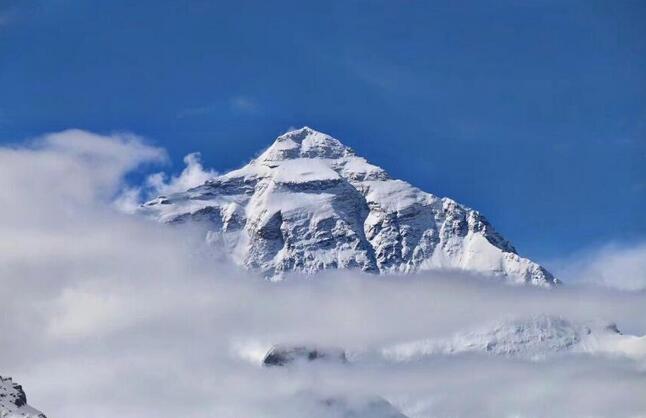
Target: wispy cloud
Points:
(197, 111)
(244, 104)
(236, 104)
(615, 265)
(193, 174)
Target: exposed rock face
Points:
(310, 203)
(284, 355)
(13, 401)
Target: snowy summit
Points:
(310, 203)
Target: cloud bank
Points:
(109, 315)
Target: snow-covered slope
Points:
(529, 338)
(13, 401)
(532, 338)
(310, 203)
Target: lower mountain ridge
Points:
(533, 338)
(310, 203)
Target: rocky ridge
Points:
(13, 401)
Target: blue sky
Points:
(533, 112)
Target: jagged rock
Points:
(13, 401)
(310, 203)
(284, 355)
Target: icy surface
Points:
(13, 401)
(310, 203)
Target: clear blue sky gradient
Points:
(533, 112)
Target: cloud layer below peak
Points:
(109, 315)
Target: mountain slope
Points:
(528, 338)
(13, 401)
(310, 203)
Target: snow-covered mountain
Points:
(13, 401)
(527, 338)
(310, 203)
(530, 338)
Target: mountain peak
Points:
(298, 135)
(303, 131)
(309, 203)
(305, 143)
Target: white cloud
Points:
(193, 175)
(85, 312)
(238, 104)
(105, 314)
(614, 266)
(58, 176)
(244, 104)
